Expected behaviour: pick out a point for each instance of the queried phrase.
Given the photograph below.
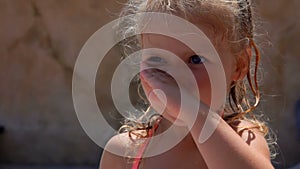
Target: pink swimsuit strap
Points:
(138, 159)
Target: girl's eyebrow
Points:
(184, 51)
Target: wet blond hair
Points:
(237, 17)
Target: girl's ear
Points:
(242, 64)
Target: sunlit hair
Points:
(238, 20)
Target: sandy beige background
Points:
(39, 43)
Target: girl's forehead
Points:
(211, 29)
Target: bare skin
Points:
(187, 155)
(227, 148)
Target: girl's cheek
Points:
(204, 85)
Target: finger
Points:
(158, 100)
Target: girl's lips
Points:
(150, 81)
(157, 77)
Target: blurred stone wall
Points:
(282, 74)
(39, 43)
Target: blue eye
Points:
(156, 59)
(196, 59)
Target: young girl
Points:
(238, 142)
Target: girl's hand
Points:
(165, 96)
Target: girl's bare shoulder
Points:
(118, 143)
(253, 136)
(118, 151)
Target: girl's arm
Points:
(230, 149)
(225, 148)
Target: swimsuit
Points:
(138, 159)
